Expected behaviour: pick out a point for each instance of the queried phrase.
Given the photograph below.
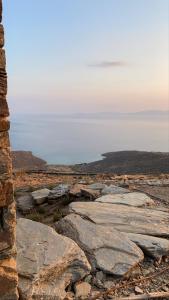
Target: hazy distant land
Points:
(120, 162)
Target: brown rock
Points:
(4, 140)
(4, 124)
(75, 191)
(7, 229)
(82, 290)
(8, 274)
(4, 111)
(2, 59)
(3, 82)
(6, 192)
(8, 279)
(1, 36)
(5, 161)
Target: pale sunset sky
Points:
(66, 56)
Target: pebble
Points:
(100, 276)
(165, 288)
(138, 290)
(88, 278)
(82, 290)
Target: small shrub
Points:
(41, 210)
(35, 216)
(58, 214)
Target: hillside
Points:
(128, 162)
(26, 160)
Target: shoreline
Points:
(119, 162)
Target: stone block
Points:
(4, 140)
(5, 161)
(8, 280)
(7, 229)
(3, 82)
(1, 36)
(2, 59)
(4, 111)
(4, 124)
(6, 192)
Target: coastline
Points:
(119, 162)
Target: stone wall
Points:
(8, 275)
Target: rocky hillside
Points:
(129, 162)
(26, 160)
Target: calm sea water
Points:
(73, 140)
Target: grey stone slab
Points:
(124, 218)
(106, 248)
(152, 246)
(46, 261)
(130, 199)
(113, 189)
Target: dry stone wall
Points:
(8, 275)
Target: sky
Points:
(66, 56)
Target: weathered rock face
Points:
(107, 249)
(8, 275)
(48, 262)
(124, 218)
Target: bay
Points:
(70, 140)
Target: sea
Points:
(81, 139)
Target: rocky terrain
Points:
(92, 237)
(85, 234)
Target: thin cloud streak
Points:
(108, 64)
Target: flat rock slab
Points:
(25, 203)
(97, 186)
(130, 199)
(46, 261)
(152, 246)
(114, 189)
(124, 218)
(40, 196)
(106, 248)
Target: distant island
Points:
(109, 115)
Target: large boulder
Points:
(107, 249)
(130, 199)
(124, 218)
(46, 261)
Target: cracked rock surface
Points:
(106, 248)
(47, 264)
